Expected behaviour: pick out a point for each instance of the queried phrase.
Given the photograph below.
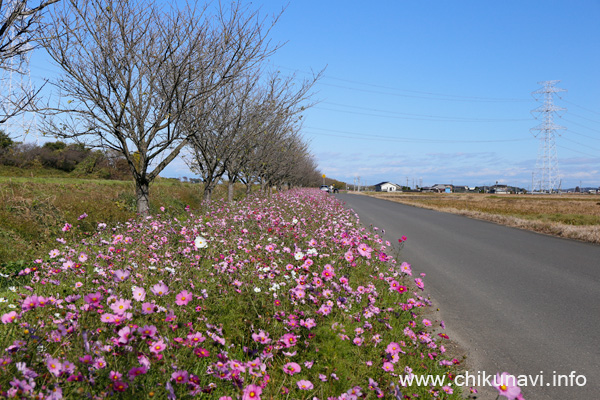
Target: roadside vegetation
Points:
(569, 216)
(250, 299)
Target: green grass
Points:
(33, 209)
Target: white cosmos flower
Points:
(299, 255)
(200, 242)
(257, 289)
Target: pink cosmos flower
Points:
(93, 298)
(288, 340)
(160, 289)
(99, 363)
(261, 337)
(388, 366)
(121, 306)
(67, 227)
(252, 392)
(196, 338)
(30, 303)
(180, 376)
(349, 256)
(9, 317)
(54, 366)
(139, 294)
(200, 352)
(419, 283)
(506, 385)
(183, 298)
(157, 347)
(364, 250)
(120, 275)
(147, 308)
(108, 318)
(401, 289)
(393, 348)
(304, 385)
(120, 386)
(147, 331)
(54, 253)
(291, 368)
(125, 335)
(115, 375)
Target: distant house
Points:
(460, 189)
(442, 188)
(387, 187)
(499, 189)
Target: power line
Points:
(422, 94)
(581, 134)
(363, 136)
(576, 151)
(585, 145)
(583, 108)
(583, 126)
(421, 117)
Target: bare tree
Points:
(21, 25)
(131, 69)
(219, 130)
(275, 150)
(238, 120)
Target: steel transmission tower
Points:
(546, 176)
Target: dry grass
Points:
(568, 216)
(33, 210)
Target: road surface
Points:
(518, 301)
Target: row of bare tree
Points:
(155, 83)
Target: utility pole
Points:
(546, 167)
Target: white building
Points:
(387, 187)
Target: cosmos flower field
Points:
(281, 297)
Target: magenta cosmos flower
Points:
(304, 385)
(291, 368)
(9, 317)
(180, 376)
(506, 385)
(183, 298)
(252, 392)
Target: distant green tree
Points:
(5, 140)
(58, 145)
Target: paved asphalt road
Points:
(518, 301)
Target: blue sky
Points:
(440, 91)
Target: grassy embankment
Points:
(333, 313)
(35, 204)
(568, 216)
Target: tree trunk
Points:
(230, 185)
(207, 192)
(142, 191)
(248, 188)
